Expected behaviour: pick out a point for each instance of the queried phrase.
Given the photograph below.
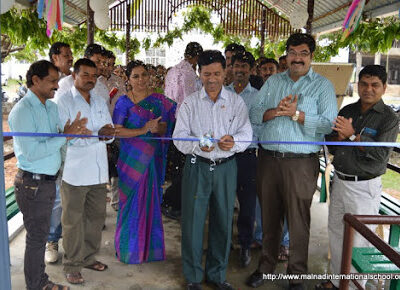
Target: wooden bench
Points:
(11, 204)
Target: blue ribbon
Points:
(334, 143)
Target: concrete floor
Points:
(168, 274)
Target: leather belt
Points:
(36, 176)
(352, 177)
(216, 161)
(278, 154)
(249, 151)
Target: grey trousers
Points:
(83, 217)
(355, 197)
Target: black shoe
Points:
(255, 280)
(193, 286)
(223, 286)
(245, 257)
(169, 212)
(296, 286)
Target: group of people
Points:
(234, 107)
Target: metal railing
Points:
(358, 223)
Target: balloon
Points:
(298, 18)
(6, 5)
(102, 20)
(98, 5)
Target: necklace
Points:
(136, 99)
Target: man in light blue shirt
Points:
(242, 64)
(296, 105)
(38, 162)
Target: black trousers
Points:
(35, 199)
(246, 194)
(175, 164)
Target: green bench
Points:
(391, 206)
(371, 260)
(11, 204)
(322, 187)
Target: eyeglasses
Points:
(293, 53)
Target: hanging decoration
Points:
(53, 13)
(97, 5)
(352, 18)
(101, 18)
(6, 5)
(298, 17)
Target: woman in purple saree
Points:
(139, 236)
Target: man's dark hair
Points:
(132, 64)
(211, 56)
(193, 49)
(235, 48)
(93, 49)
(39, 68)
(374, 70)
(56, 49)
(83, 62)
(109, 54)
(297, 39)
(282, 57)
(245, 57)
(268, 60)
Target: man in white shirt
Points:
(209, 175)
(95, 53)
(61, 56)
(83, 188)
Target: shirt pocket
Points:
(307, 104)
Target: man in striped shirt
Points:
(296, 105)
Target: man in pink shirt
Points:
(180, 82)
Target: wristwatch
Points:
(296, 115)
(352, 137)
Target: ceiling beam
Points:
(75, 7)
(383, 11)
(332, 11)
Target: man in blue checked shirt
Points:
(295, 105)
(38, 162)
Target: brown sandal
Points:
(74, 278)
(53, 286)
(283, 253)
(97, 266)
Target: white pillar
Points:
(377, 59)
(5, 279)
(358, 64)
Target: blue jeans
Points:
(55, 220)
(258, 231)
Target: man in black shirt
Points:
(357, 183)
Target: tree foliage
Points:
(24, 36)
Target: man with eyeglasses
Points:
(296, 105)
